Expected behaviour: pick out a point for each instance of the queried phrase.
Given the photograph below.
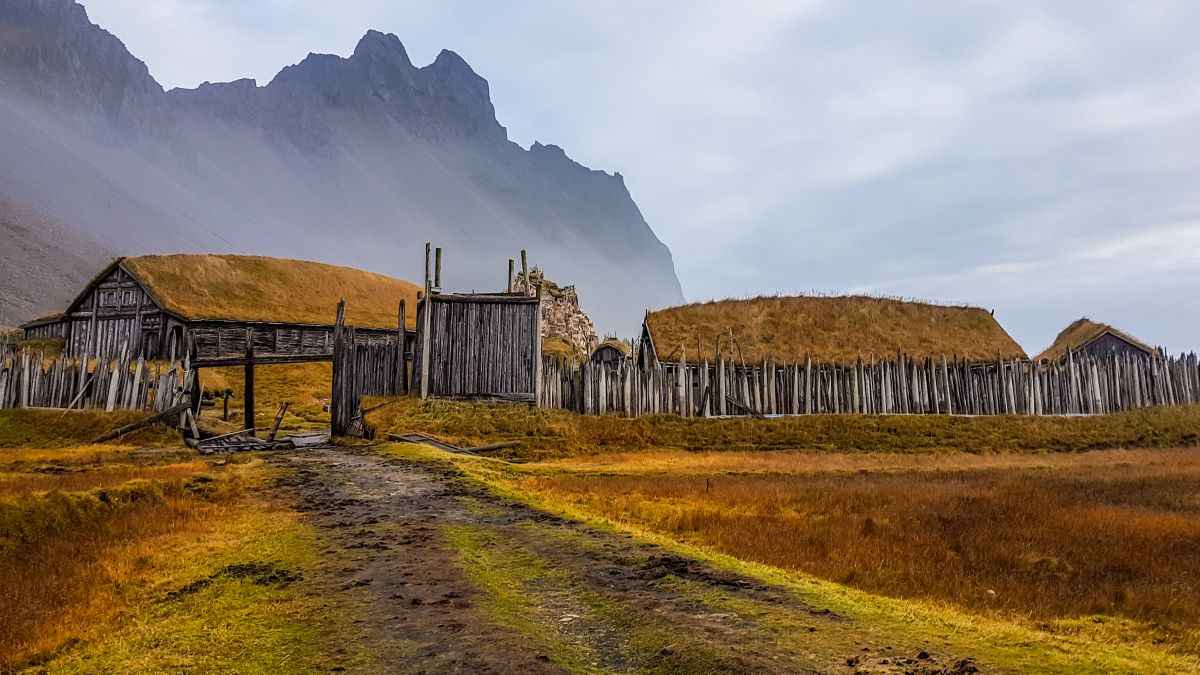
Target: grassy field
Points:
(1043, 543)
(125, 558)
(546, 434)
(1070, 526)
(305, 386)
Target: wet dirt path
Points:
(445, 577)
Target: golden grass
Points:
(708, 463)
(1079, 332)
(49, 347)
(547, 434)
(305, 386)
(1085, 538)
(830, 329)
(58, 429)
(66, 558)
(60, 478)
(557, 345)
(256, 288)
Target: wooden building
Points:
(611, 353)
(155, 305)
(479, 345)
(789, 329)
(1085, 336)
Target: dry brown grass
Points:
(1115, 539)
(557, 345)
(830, 329)
(57, 477)
(41, 429)
(67, 559)
(256, 288)
(546, 434)
(793, 462)
(305, 386)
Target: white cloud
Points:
(1038, 158)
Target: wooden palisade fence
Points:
(30, 380)
(1080, 384)
(364, 369)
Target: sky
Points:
(1038, 159)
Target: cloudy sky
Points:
(1041, 159)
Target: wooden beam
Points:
(281, 359)
(121, 431)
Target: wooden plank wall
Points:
(215, 340)
(30, 380)
(365, 367)
(1081, 385)
(481, 346)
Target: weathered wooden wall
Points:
(214, 339)
(1083, 384)
(366, 365)
(479, 346)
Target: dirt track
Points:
(450, 578)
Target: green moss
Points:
(579, 628)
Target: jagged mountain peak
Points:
(51, 49)
(351, 159)
(382, 47)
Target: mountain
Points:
(356, 161)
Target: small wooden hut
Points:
(154, 305)
(1085, 336)
(612, 352)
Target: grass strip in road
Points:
(578, 627)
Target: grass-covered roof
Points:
(786, 328)
(258, 288)
(1082, 331)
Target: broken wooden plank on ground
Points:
(121, 431)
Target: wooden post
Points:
(808, 387)
(248, 395)
(336, 399)
(437, 268)
(525, 271)
(401, 363)
(537, 346)
(510, 275)
(427, 280)
(426, 319)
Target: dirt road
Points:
(445, 577)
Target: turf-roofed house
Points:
(1100, 340)
(154, 305)
(789, 329)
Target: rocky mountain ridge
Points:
(354, 160)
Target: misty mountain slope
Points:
(355, 161)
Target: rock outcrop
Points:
(562, 316)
